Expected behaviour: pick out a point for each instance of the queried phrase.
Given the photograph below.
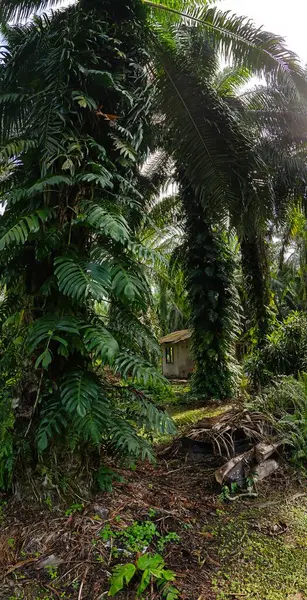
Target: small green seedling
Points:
(52, 572)
(73, 509)
(152, 569)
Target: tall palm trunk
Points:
(214, 304)
(255, 267)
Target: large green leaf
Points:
(79, 390)
(19, 233)
(53, 422)
(47, 329)
(100, 343)
(129, 283)
(108, 224)
(121, 576)
(80, 280)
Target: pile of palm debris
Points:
(245, 446)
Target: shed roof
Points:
(176, 336)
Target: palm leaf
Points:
(129, 365)
(239, 40)
(212, 152)
(108, 224)
(19, 10)
(125, 440)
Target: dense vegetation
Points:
(144, 189)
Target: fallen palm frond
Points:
(244, 445)
(234, 431)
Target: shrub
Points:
(284, 395)
(284, 353)
(285, 401)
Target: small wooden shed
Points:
(177, 360)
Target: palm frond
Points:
(212, 152)
(125, 440)
(19, 10)
(129, 365)
(239, 40)
(230, 80)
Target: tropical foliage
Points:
(73, 109)
(129, 161)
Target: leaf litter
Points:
(255, 548)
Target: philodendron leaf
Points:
(121, 575)
(145, 581)
(149, 561)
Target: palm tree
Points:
(247, 189)
(289, 264)
(78, 92)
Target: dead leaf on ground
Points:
(207, 535)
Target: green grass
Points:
(184, 416)
(255, 563)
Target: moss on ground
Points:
(184, 415)
(262, 556)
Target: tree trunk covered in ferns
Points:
(214, 304)
(78, 105)
(255, 266)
